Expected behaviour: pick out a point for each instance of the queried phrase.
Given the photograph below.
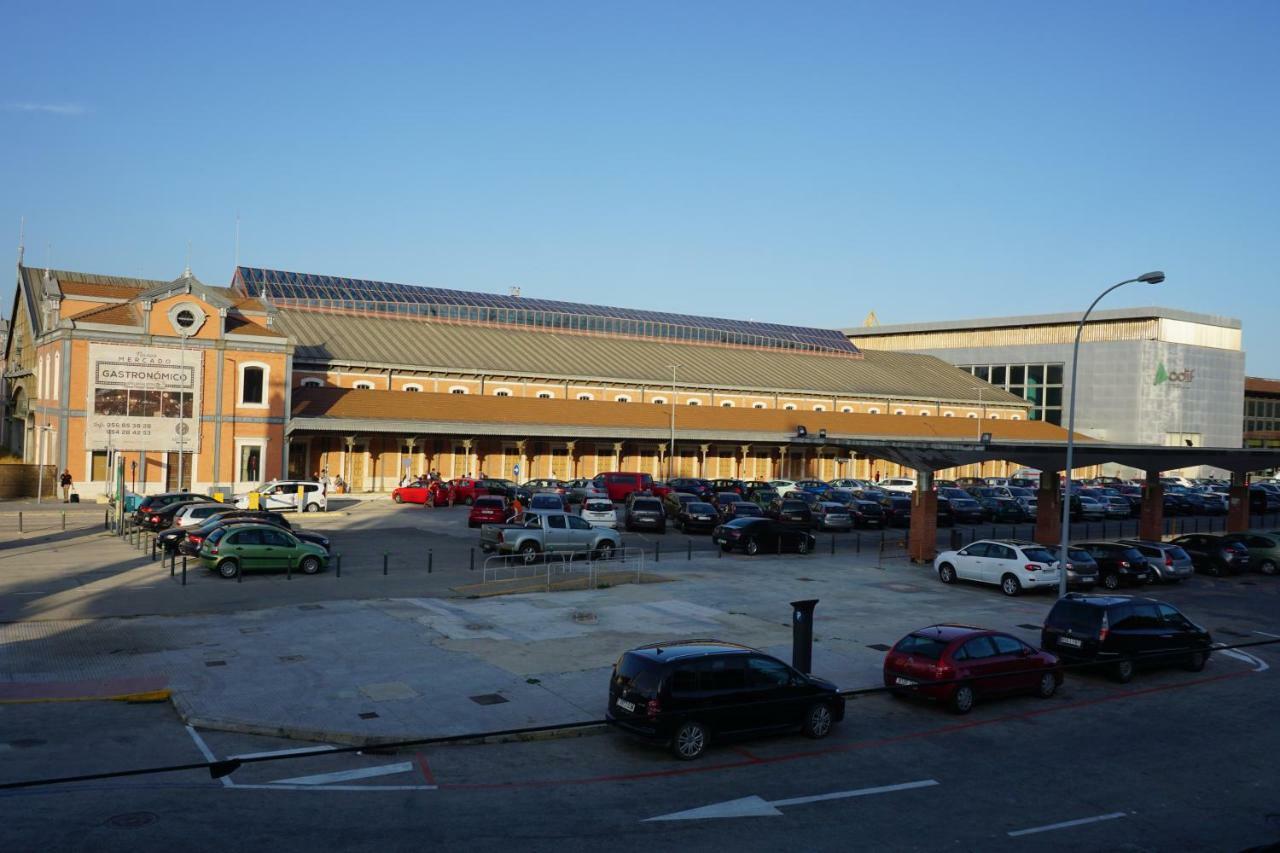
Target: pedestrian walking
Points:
(65, 482)
(517, 508)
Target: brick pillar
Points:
(922, 540)
(1049, 509)
(1151, 520)
(1238, 505)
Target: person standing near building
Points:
(65, 482)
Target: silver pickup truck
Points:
(535, 534)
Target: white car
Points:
(783, 487)
(600, 512)
(1011, 564)
(898, 484)
(282, 495)
(851, 484)
(197, 514)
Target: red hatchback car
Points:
(488, 509)
(419, 493)
(972, 663)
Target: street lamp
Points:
(41, 441)
(671, 448)
(1147, 278)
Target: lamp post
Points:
(1147, 278)
(41, 441)
(671, 448)
(982, 415)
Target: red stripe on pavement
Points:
(425, 768)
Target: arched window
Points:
(727, 404)
(789, 407)
(1015, 418)
(873, 411)
(363, 386)
(948, 414)
(846, 409)
(57, 375)
(899, 411)
(995, 417)
(312, 382)
(622, 398)
(253, 384)
(502, 392)
(819, 408)
(585, 397)
(545, 395)
(457, 389)
(413, 386)
(695, 402)
(661, 401)
(924, 413)
(757, 405)
(972, 415)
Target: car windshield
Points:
(794, 506)
(1038, 555)
(699, 508)
(746, 509)
(545, 502)
(1075, 615)
(744, 521)
(598, 506)
(1176, 553)
(922, 645)
(638, 673)
(1077, 554)
(646, 505)
(490, 503)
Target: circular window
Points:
(185, 319)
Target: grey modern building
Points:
(1146, 375)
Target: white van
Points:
(282, 495)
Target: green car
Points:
(1264, 549)
(259, 547)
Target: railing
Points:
(562, 565)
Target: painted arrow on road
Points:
(755, 806)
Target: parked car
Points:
(646, 513)
(692, 486)
(581, 489)
(187, 540)
(815, 487)
(959, 664)
(763, 497)
(600, 512)
(828, 515)
(741, 509)
(197, 513)
(789, 511)
(1168, 562)
(1085, 508)
(152, 503)
(896, 507)
(549, 502)
(675, 501)
(686, 693)
(898, 484)
(502, 488)
(1011, 564)
(754, 535)
(1264, 549)
(964, 508)
(729, 485)
(466, 490)
(1213, 555)
(863, 512)
(750, 487)
(1120, 632)
(238, 548)
(696, 516)
(619, 484)
(539, 533)
(1118, 563)
(422, 492)
(488, 509)
(282, 496)
(721, 499)
(1082, 569)
(782, 487)
(161, 518)
(526, 490)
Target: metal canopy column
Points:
(922, 539)
(1238, 509)
(1049, 509)
(1151, 519)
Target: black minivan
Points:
(684, 693)
(1121, 631)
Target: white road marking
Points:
(1258, 664)
(207, 753)
(1266, 634)
(302, 750)
(348, 775)
(1066, 824)
(755, 806)
(273, 786)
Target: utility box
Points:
(802, 634)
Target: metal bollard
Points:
(473, 560)
(106, 519)
(386, 555)
(153, 549)
(184, 569)
(689, 553)
(337, 564)
(657, 552)
(239, 571)
(288, 571)
(779, 543)
(173, 563)
(719, 552)
(431, 559)
(857, 543)
(833, 544)
(19, 521)
(64, 519)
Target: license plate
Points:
(626, 706)
(1070, 641)
(722, 542)
(905, 682)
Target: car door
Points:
(772, 696)
(579, 535)
(723, 679)
(977, 660)
(246, 547)
(278, 550)
(970, 560)
(1176, 630)
(1017, 666)
(999, 560)
(555, 536)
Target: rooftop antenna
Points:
(187, 272)
(48, 258)
(237, 239)
(22, 237)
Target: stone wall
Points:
(21, 481)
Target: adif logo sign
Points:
(1163, 376)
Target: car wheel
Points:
(529, 552)
(947, 573)
(802, 546)
(962, 699)
(605, 551)
(817, 721)
(396, 497)
(228, 568)
(311, 508)
(1122, 671)
(1010, 585)
(690, 741)
(1111, 581)
(1196, 661)
(1267, 567)
(469, 501)
(309, 565)
(751, 547)
(1048, 685)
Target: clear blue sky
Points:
(798, 162)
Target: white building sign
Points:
(143, 398)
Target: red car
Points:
(418, 493)
(976, 663)
(466, 490)
(489, 509)
(619, 484)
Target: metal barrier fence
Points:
(562, 565)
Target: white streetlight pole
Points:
(41, 442)
(1148, 278)
(671, 448)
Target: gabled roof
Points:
(116, 314)
(218, 297)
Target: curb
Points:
(136, 698)
(190, 718)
